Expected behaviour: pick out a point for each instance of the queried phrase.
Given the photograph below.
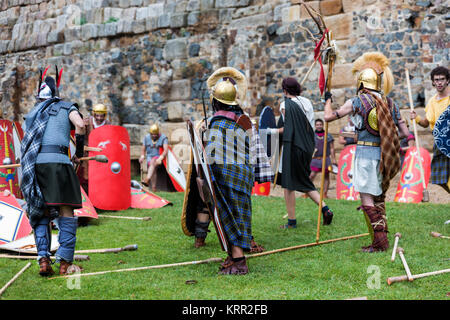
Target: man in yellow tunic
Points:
(440, 165)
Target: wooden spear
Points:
(98, 158)
(2, 290)
(392, 280)
(331, 59)
(398, 235)
(425, 194)
(123, 217)
(86, 148)
(438, 235)
(130, 247)
(10, 256)
(214, 259)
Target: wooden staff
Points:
(9, 256)
(123, 217)
(405, 265)
(331, 60)
(210, 260)
(143, 268)
(425, 194)
(10, 166)
(14, 278)
(392, 280)
(98, 158)
(86, 148)
(438, 235)
(301, 84)
(398, 235)
(306, 245)
(130, 247)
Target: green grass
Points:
(331, 271)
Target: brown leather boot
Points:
(45, 267)
(255, 248)
(199, 242)
(235, 268)
(379, 225)
(66, 268)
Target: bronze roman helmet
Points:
(154, 129)
(373, 72)
(227, 85)
(99, 108)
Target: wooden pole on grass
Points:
(425, 194)
(214, 259)
(2, 290)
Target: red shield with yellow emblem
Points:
(109, 183)
(410, 186)
(345, 189)
(9, 152)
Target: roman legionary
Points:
(49, 183)
(376, 118)
(97, 120)
(237, 158)
(150, 152)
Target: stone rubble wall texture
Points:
(147, 59)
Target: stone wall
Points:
(147, 59)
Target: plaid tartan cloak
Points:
(232, 179)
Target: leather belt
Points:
(54, 148)
(368, 143)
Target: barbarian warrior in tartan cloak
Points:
(236, 159)
(49, 183)
(376, 118)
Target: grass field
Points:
(331, 271)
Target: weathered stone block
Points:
(207, 4)
(313, 4)
(151, 23)
(290, 14)
(175, 111)
(55, 36)
(277, 11)
(342, 76)
(342, 25)
(89, 31)
(193, 5)
(232, 3)
(252, 21)
(176, 49)
(156, 9)
(193, 18)
(180, 90)
(73, 33)
(352, 5)
(129, 14)
(110, 29)
(178, 20)
(142, 13)
(138, 26)
(124, 26)
(330, 7)
(164, 21)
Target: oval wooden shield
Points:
(109, 183)
(345, 189)
(410, 186)
(9, 178)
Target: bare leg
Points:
(315, 196)
(289, 197)
(326, 184)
